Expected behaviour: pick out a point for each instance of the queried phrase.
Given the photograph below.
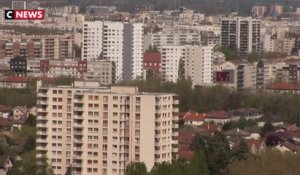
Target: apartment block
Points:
(87, 129)
(171, 38)
(119, 42)
(18, 5)
(195, 60)
(259, 11)
(52, 47)
(242, 34)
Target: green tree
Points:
(164, 168)
(30, 144)
(240, 152)
(268, 127)
(268, 163)
(28, 165)
(136, 168)
(31, 120)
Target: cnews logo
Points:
(24, 14)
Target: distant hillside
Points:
(205, 6)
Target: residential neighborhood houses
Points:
(283, 137)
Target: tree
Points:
(268, 127)
(216, 149)
(164, 168)
(136, 168)
(28, 165)
(31, 120)
(268, 163)
(240, 152)
(181, 70)
(30, 144)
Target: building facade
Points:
(52, 47)
(86, 129)
(119, 42)
(242, 34)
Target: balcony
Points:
(41, 132)
(77, 125)
(78, 141)
(80, 109)
(175, 126)
(77, 149)
(175, 134)
(41, 125)
(42, 94)
(42, 110)
(39, 140)
(41, 148)
(77, 165)
(175, 110)
(42, 102)
(78, 117)
(78, 133)
(175, 150)
(175, 102)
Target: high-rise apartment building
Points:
(198, 65)
(259, 11)
(194, 61)
(18, 5)
(51, 47)
(241, 33)
(86, 129)
(115, 41)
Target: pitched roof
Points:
(15, 79)
(4, 108)
(5, 122)
(3, 160)
(23, 109)
(290, 146)
(236, 132)
(217, 115)
(209, 128)
(185, 154)
(152, 57)
(194, 116)
(284, 86)
(254, 142)
(269, 118)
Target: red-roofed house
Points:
(20, 112)
(217, 117)
(5, 111)
(185, 138)
(284, 87)
(288, 147)
(152, 61)
(255, 145)
(194, 118)
(14, 82)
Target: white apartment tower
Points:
(241, 33)
(115, 41)
(88, 130)
(197, 63)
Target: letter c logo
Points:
(9, 14)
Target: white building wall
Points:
(92, 40)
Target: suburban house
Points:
(5, 111)
(269, 118)
(288, 147)
(217, 117)
(14, 82)
(194, 118)
(20, 112)
(256, 145)
(6, 163)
